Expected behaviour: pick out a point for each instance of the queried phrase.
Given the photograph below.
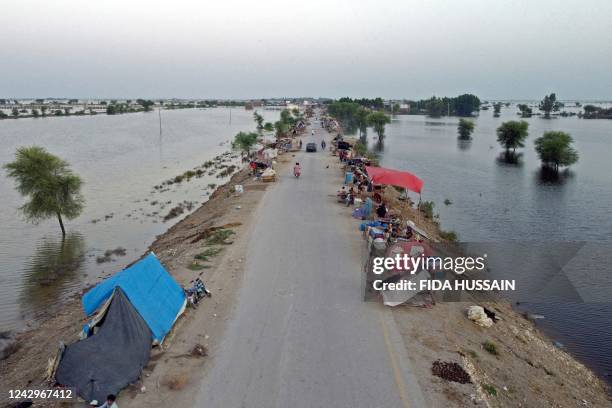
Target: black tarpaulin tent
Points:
(114, 356)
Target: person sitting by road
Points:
(381, 211)
(342, 194)
(350, 197)
(110, 402)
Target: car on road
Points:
(311, 147)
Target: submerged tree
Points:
(361, 120)
(512, 134)
(378, 120)
(259, 120)
(466, 104)
(268, 127)
(54, 190)
(555, 149)
(526, 111)
(549, 104)
(497, 109)
(465, 129)
(243, 141)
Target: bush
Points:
(490, 347)
(490, 389)
(427, 208)
(450, 236)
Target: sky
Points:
(496, 49)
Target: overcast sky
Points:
(243, 49)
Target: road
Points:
(301, 336)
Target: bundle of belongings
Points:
(131, 311)
(268, 175)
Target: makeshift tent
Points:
(111, 359)
(150, 289)
(381, 175)
(135, 307)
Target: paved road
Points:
(301, 335)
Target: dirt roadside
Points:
(511, 364)
(175, 369)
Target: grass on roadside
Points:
(208, 253)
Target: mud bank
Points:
(172, 366)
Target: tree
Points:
(436, 107)
(43, 109)
(281, 128)
(497, 109)
(378, 120)
(466, 104)
(243, 141)
(53, 189)
(3, 115)
(465, 129)
(395, 108)
(549, 104)
(35, 113)
(146, 104)
(526, 111)
(15, 112)
(361, 120)
(268, 127)
(555, 149)
(259, 120)
(512, 134)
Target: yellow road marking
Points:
(399, 380)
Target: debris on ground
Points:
(199, 351)
(450, 371)
(478, 316)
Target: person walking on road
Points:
(322, 144)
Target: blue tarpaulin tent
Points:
(150, 289)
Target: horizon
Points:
(497, 51)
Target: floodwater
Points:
(120, 158)
(496, 201)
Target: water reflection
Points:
(464, 144)
(549, 175)
(55, 265)
(510, 158)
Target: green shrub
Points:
(490, 347)
(490, 389)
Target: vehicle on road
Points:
(311, 147)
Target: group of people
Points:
(358, 188)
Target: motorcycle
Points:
(196, 292)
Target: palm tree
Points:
(378, 120)
(54, 190)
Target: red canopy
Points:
(381, 175)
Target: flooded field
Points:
(494, 201)
(130, 190)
